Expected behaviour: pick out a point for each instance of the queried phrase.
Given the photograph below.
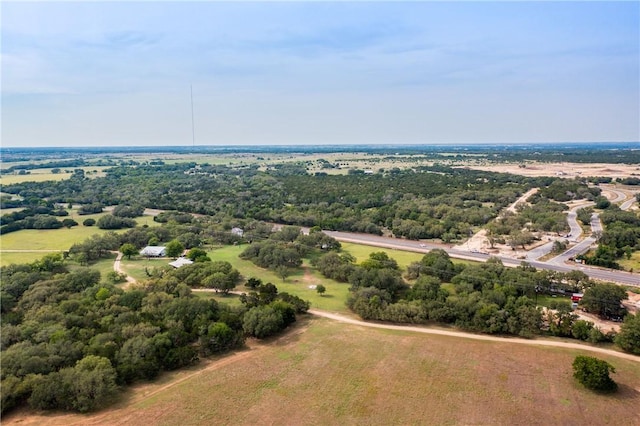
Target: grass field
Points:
(8, 258)
(298, 283)
(137, 265)
(34, 176)
(327, 373)
(47, 239)
(42, 241)
(633, 263)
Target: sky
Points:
(316, 73)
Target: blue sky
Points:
(107, 73)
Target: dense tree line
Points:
(43, 216)
(71, 341)
(436, 202)
(489, 297)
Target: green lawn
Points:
(52, 240)
(137, 265)
(104, 266)
(47, 239)
(298, 283)
(404, 258)
(9, 258)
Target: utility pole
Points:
(193, 126)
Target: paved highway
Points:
(421, 247)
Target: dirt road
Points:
(461, 334)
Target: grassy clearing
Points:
(9, 258)
(404, 258)
(137, 266)
(633, 263)
(327, 373)
(48, 239)
(298, 283)
(53, 239)
(229, 299)
(547, 300)
(361, 252)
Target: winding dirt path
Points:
(118, 268)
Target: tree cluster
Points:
(69, 340)
(621, 237)
(33, 217)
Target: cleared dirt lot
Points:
(325, 373)
(562, 169)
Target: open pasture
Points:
(327, 373)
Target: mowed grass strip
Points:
(327, 373)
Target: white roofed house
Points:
(181, 261)
(154, 251)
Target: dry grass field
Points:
(327, 373)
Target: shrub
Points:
(593, 373)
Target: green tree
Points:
(174, 248)
(198, 255)
(283, 271)
(93, 383)
(262, 321)
(69, 223)
(128, 249)
(89, 222)
(604, 300)
(629, 336)
(321, 289)
(593, 373)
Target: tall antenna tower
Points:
(193, 126)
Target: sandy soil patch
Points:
(568, 170)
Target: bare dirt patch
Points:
(569, 170)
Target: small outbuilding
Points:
(154, 251)
(237, 231)
(181, 261)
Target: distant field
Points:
(43, 175)
(33, 177)
(327, 373)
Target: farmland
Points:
(323, 372)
